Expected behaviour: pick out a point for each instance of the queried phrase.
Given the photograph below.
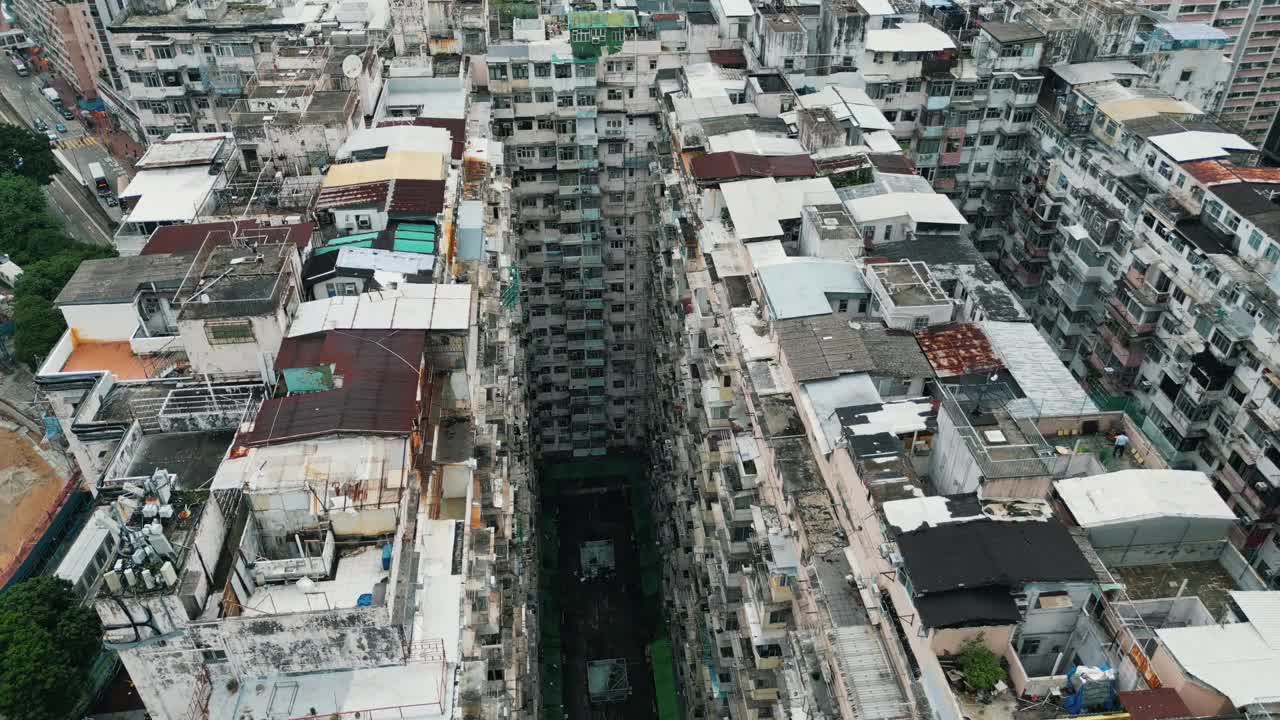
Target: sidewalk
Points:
(118, 144)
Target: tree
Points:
(31, 231)
(25, 152)
(37, 327)
(981, 667)
(48, 642)
(38, 324)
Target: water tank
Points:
(149, 579)
(112, 579)
(168, 574)
(386, 556)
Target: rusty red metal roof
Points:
(714, 167)
(1219, 172)
(957, 349)
(731, 58)
(379, 371)
(1156, 704)
(416, 197)
(373, 193)
(187, 239)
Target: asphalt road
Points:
(85, 216)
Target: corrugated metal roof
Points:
(379, 374)
(416, 197)
(958, 349)
(1236, 659)
(734, 165)
(1051, 390)
(374, 193)
(869, 679)
(1218, 172)
(188, 238)
(732, 58)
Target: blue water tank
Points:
(365, 600)
(386, 556)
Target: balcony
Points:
(1117, 307)
(1128, 356)
(1143, 292)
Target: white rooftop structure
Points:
(757, 206)
(1100, 71)
(396, 138)
(1129, 495)
(1200, 145)
(909, 37)
(380, 463)
(1239, 660)
(917, 207)
(443, 97)
(387, 265)
(706, 80)
(799, 287)
(1051, 390)
(409, 307)
(175, 194)
(180, 149)
(735, 8)
(847, 103)
(751, 142)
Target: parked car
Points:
(41, 125)
(67, 114)
(53, 138)
(60, 127)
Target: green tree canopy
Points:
(31, 231)
(25, 152)
(48, 641)
(34, 239)
(981, 668)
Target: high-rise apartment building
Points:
(578, 119)
(1252, 28)
(66, 35)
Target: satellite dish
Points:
(351, 66)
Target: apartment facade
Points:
(67, 36)
(579, 122)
